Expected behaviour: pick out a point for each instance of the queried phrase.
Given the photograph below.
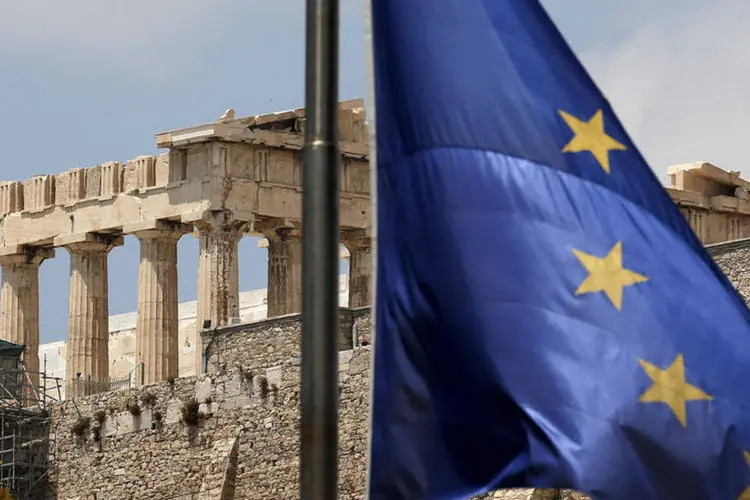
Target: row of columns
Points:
(87, 363)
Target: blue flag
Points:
(545, 316)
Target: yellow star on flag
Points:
(590, 136)
(745, 495)
(607, 274)
(671, 388)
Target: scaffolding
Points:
(25, 419)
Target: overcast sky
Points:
(85, 81)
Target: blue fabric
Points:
(490, 369)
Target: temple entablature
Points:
(248, 166)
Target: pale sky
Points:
(85, 81)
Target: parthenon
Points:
(218, 181)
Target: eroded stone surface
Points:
(253, 410)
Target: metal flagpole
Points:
(320, 256)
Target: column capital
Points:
(161, 230)
(356, 238)
(275, 225)
(25, 255)
(282, 233)
(89, 242)
(157, 228)
(212, 220)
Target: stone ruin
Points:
(715, 202)
(219, 181)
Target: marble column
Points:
(157, 349)
(19, 303)
(284, 272)
(218, 275)
(88, 316)
(360, 271)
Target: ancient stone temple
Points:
(715, 202)
(219, 181)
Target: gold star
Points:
(671, 388)
(590, 136)
(745, 495)
(607, 275)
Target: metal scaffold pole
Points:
(320, 256)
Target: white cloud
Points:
(679, 80)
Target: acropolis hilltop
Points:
(200, 400)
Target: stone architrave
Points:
(360, 271)
(284, 271)
(19, 303)
(157, 349)
(218, 273)
(87, 364)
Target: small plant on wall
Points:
(264, 388)
(148, 399)
(158, 421)
(247, 375)
(100, 416)
(190, 413)
(82, 425)
(134, 409)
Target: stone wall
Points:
(244, 446)
(272, 341)
(734, 259)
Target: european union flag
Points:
(545, 316)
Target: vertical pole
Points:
(320, 256)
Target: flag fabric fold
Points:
(545, 315)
